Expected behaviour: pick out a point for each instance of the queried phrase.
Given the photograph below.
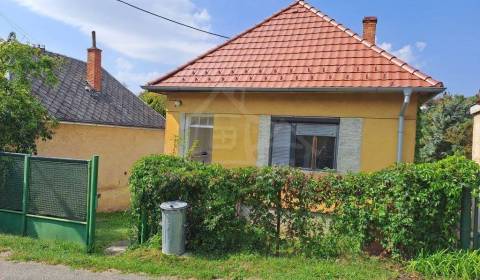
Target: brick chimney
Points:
(369, 29)
(94, 66)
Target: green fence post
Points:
(26, 185)
(466, 219)
(89, 203)
(92, 211)
(475, 224)
(143, 227)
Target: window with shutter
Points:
(305, 143)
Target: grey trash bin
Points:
(173, 227)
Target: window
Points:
(306, 143)
(200, 135)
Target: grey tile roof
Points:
(114, 105)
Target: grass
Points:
(150, 260)
(449, 265)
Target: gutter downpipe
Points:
(407, 92)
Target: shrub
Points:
(403, 209)
(280, 201)
(265, 210)
(212, 216)
(448, 265)
(407, 208)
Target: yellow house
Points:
(98, 115)
(298, 89)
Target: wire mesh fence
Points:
(58, 189)
(49, 198)
(11, 182)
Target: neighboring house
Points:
(475, 111)
(298, 89)
(98, 115)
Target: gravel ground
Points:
(36, 271)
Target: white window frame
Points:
(188, 121)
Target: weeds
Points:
(449, 265)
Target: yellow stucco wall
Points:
(236, 118)
(235, 139)
(118, 148)
(172, 136)
(379, 143)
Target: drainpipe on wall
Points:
(407, 92)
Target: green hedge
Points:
(404, 209)
(407, 208)
(220, 197)
(209, 189)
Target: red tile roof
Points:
(299, 47)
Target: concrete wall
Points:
(350, 144)
(238, 116)
(263, 140)
(118, 148)
(475, 111)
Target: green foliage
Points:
(213, 223)
(448, 265)
(444, 128)
(277, 200)
(405, 209)
(148, 259)
(23, 119)
(158, 102)
(280, 201)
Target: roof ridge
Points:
(395, 60)
(128, 108)
(131, 93)
(85, 63)
(178, 69)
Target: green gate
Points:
(48, 198)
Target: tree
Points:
(23, 119)
(444, 127)
(158, 102)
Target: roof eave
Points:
(179, 89)
(100, 123)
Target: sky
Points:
(441, 38)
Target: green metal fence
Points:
(469, 221)
(48, 198)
